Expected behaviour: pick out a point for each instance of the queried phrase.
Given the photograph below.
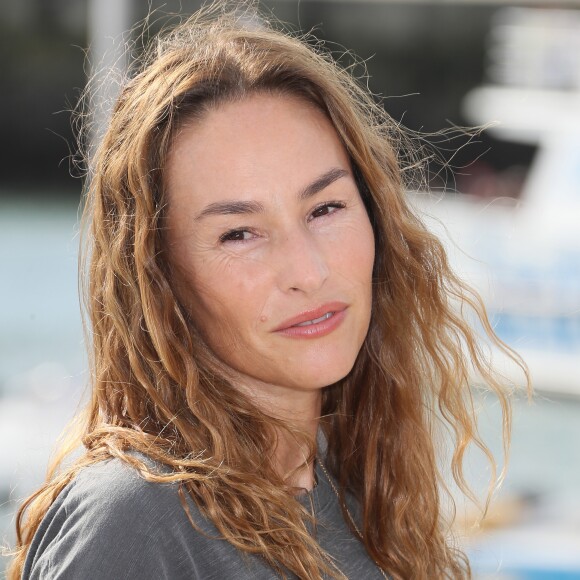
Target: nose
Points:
(301, 263)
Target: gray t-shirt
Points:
(110, 523)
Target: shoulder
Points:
(115, 486)
(112, 494)
(109, 520)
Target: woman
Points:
(274, 334)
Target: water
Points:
(39, 312)
(41, 350)
(42, 379)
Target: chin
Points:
(321, 377)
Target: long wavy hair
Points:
(158, 389)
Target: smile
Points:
(314, 323)
(316, 320)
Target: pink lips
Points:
(314, 323)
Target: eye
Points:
(326, 209)
(238, 235)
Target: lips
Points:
(316, 320)
(313, 317)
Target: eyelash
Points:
(229, 236)
(329, 204)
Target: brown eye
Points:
(240, 235)
(326, 209)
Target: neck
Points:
(292, 453)
(301, 410)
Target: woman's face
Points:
(272, 242)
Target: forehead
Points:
(260, 146)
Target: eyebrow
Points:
(232, 207)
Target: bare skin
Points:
(268, 227)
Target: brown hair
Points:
(158, 389)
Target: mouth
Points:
(315, 322)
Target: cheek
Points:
(367, 249)
(357, 254)
(230, 298)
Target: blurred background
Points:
(506, 202)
